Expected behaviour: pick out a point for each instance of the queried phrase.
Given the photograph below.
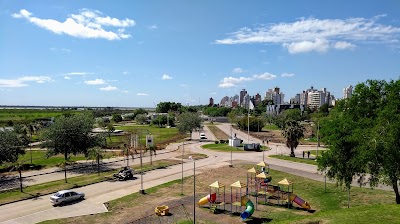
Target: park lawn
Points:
(295, 159)
(75, 182)
(218, 133)
(40, 160)
(271, 127)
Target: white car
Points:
(65, 196)
(203, 136)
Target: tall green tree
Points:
(293, 131)
(71, 135)
(189, 122)
(11, 146)
(363, 135)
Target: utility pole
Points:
(183, 150)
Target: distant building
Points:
(275, 96)
(347, 92)
(211, 103)
(243, 93)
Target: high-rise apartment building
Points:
(275, 96)
(243, 93)
(347, 92)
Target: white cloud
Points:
(67, 77)
(307, 46)
(183, 85)
(21, 82)
(287, 75)
(125, 73)
(95, 82)
(343, 45)
(86, 24)
(264, 76)
(142, 94)
(78, 73)
(166, 77)
(310, 34)
(213, 93)
(228, 82)
(61, 50)
(153, 27)
(238, 70)
(108, 88)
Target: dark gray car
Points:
(65, 196)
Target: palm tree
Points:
(293, 131)
(96, 153)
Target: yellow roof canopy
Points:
(262, 175)
(216, 184)
(285, 182)
(252, 170)
(238, 184)
(263, 164)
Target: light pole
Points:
(194, 188)
(183, 150)
(317, 139)
(141, 169)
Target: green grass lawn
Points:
(295, 159)
(271, 127)
(39, 159)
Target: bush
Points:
(216, 142)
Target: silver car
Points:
(65, 196)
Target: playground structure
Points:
(258, 186)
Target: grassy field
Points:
(295, 159)
(330, 206)
(218, 133)
(29, 115)
(271, 127)
(39, 159)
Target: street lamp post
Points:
(194, 188)
(183, 150)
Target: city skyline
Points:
(138, 54)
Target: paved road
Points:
(40, 209)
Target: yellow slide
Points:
(208, 199)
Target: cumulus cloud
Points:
(78, 73)
(237, 70)
(264, 76)
(67, 77)
(287, 75)
(142, 94)
(321, 35)
(229, 82)
(86, 24)
(95, 82)
(21, 82)
(166, 77)
(108, 88)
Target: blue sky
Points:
(139, 53)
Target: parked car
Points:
(65, 196)
(124, 174)
(203, 136)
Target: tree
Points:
(255, 123)
(292, 114)
(110, 129)
(188, 122)
(141, 119)
(117, 118)
(11, 146)
(71, 135)
(363, 134)
(293, 132)
(95, 153)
